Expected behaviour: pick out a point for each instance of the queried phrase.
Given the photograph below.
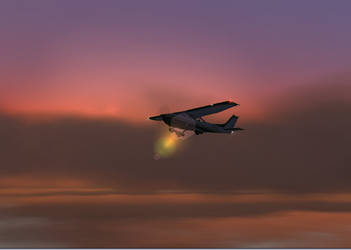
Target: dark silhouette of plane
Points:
(192, 120)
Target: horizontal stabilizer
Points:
(236, 129)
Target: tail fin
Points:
(231, 122)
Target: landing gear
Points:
(179, 134)
(197, 132)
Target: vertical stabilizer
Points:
(231, 122)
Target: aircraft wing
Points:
(209, 109)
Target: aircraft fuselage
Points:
(192, 119)
(199, 126)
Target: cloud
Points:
(303, 149)
(94, 182)
(83, 226)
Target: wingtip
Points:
(232, 102)
(156, 118)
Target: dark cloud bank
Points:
(302, 148)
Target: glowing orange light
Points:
(166, 146)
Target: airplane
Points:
(192, 120)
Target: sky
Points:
(78, 80)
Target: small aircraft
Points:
(192, 120)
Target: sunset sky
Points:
(78, 80)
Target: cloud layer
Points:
(82, 182)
